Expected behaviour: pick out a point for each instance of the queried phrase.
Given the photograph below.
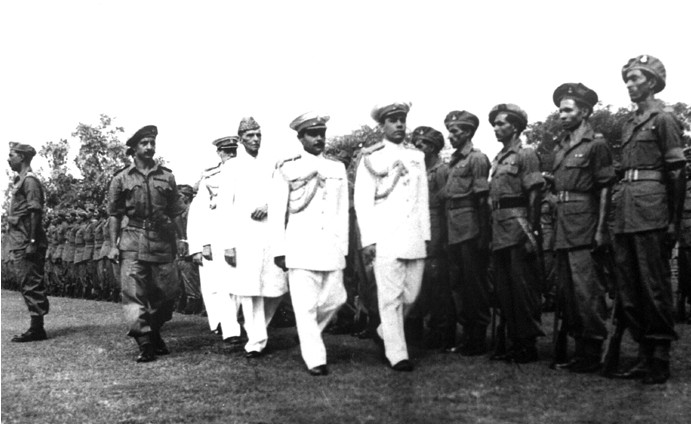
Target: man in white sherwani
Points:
(391, 202)
(309, 220)
(258, 284)
(207, 245)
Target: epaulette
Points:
(280, 163)
(165, 168)
(373, 148)
(120, 170)
(209, 172)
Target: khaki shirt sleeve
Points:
(669, 133)
(530, 169)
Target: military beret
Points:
(309, 120)
(650, 64)
(228, 142)
(510, 109)
(379, 112)
(186, 190)
(22, 148)
(147, 131)
(247, 124)
(575, 91)
(461, 117)
(429, 134)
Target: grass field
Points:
(85, 373)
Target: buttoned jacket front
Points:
(651, 142)
(515, 171)
(204, 222)
(391, 200)
(152, 198)
(308, 213)
(465, 179)
(244, 188)
(27, 197)
(582, 167)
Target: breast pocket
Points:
(162, 193)
(646, 153)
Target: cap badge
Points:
(644, 58)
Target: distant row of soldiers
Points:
(76, 263)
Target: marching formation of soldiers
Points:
(419, 243)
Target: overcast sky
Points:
(195, 68)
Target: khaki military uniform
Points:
(515, 171)
(651, 143)
(582, 167)
(27, 197)
(465, 186)
(147, 245)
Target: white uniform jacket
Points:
(309, 213)
(391, 200)
(244, 189)
(203, 219)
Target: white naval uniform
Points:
(391, 202)
(204, 222)
(256, 281)
(309, 222)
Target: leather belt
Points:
(143, 224)
(572, 196)
(642, 175)
(463, 202)
(510, 202)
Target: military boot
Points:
(35, 333)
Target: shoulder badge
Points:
(280, 163)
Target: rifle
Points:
(610, 357)
(560, 339)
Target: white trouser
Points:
(398, 284)
(258, 312)
(316, 296)
(221, 306)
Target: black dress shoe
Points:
(639, 370)
(404, 365)
(233, 340)
(319, 370)
(160, 347)
(565, 365)
(146, 353)
(31, 335)
(658, 374)
(253, 354)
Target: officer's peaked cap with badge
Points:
(247, 124)
(576, 91)
(429, 134)
(510, 109)
(381, 111)
(143, 132)
(461, 117)
(23, 148)
(651, 65)
(229, 142)
(309, 120)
